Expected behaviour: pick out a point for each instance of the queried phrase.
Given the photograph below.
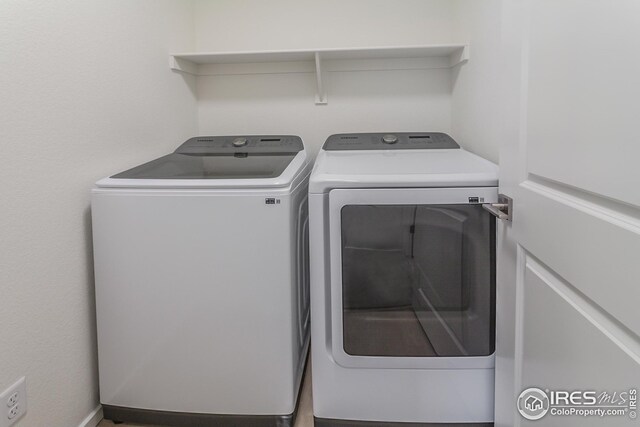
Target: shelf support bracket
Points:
(461, 56)
(183, 66)
(321, 96)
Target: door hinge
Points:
(501, 210)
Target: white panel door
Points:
(568, 291)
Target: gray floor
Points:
(305, 410)
(392, 332)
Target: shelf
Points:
(319, 60)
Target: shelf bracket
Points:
(321, 96)
(183, 66)
(460, 56)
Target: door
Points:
(568, 287)
(412, 277)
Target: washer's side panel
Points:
(299, 253)
(193, 291)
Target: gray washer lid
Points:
(217, 157)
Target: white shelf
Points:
(314, 61)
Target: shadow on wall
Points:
(358, 101)
(91, 295)
(190, 81)
(340, 85)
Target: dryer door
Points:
(412, 277)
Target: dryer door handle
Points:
(501, 210)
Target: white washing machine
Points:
(201, 268)
(402, 282)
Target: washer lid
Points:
(211, 166)
(401, 168)
(229, 161)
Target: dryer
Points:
(201, 269)
(402, 282)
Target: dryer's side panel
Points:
(193, 294)
(322, 362)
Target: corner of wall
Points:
(474, 87)
(93, 419)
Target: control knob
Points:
(239, 142)
(389, 139)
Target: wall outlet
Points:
(13, 411)
(13, 399)
(13, 403)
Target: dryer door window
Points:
(417, 280)
(412, 277)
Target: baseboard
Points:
(330, 422)
(93, 418)
(190, 419)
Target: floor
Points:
(385, 332)
(305, 410)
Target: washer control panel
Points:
(389, 141)
(241, 144)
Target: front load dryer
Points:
(402, 282)
(201, 269)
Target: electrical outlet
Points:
(13, 411)
(15, 399)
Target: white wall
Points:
(85, 91)
(461, 102)
(230, 25)
(400, 100)
(475, 84)
(410, 100)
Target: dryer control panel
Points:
(250, 144)
(389, 141)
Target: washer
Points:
(201, 268)
(402, 282)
